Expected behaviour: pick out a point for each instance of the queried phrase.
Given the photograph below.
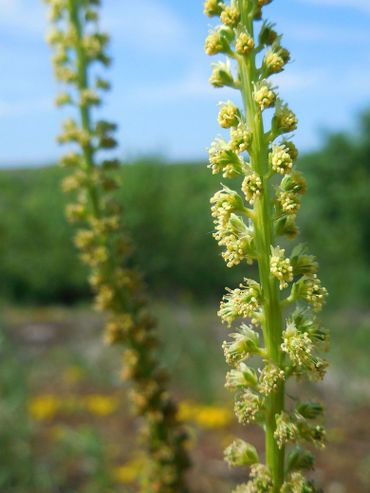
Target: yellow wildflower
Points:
(101, 405)
(43, 407)
(129, 472)
(205, 416)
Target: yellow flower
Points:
(43, 407)
(205, 416)
(213, 417)
(101, 405)
(129, 472)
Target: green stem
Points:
(83, 83)
(264, 236)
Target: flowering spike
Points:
(285, 342)
(104, 246)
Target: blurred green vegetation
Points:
(65, 423)
(167, 211)
(35, 459)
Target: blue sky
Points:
(161, 98)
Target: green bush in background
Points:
(168, 214)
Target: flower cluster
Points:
(241, 453)
(280, 267)
(242, 302)
(248, 223)
(78, 50)
(297, 483)
(261, 481)
(297, 426)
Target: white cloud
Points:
(362, 5)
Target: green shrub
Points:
(174, 242)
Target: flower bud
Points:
(244, 343)
(241, 453)
(218, 41)
(243, 376)
(289, 203)
(302, 263)
(56, 10)
(296, 483)
(280, 267)
(264, 95)
(221, 75)
(248, 407)
(102, 84)
(241, 138)
(91, 15)
(242, 302)
(65, 74)
(60, 56)
(76, 212)
(223, 159)
(310, 289)
(63, 99)
(300, 459)
(105, 297)
(103, 128)
(252, 187)
(315, 434)
(273, 63)
(224, 203)
(230, 16)
(260, 480)
(284, 120)
(267, 35)
(70, 160)
(285, 225)
(229, 115)
(275, 59)
(244, 44)
(270, 378)
(89, 97)
(294, 182)
(286, 429)
(304, 321)
(55, 36)
(280, 159)
(85, 239)
(213, 8)
(298, 346)
(310, 410)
